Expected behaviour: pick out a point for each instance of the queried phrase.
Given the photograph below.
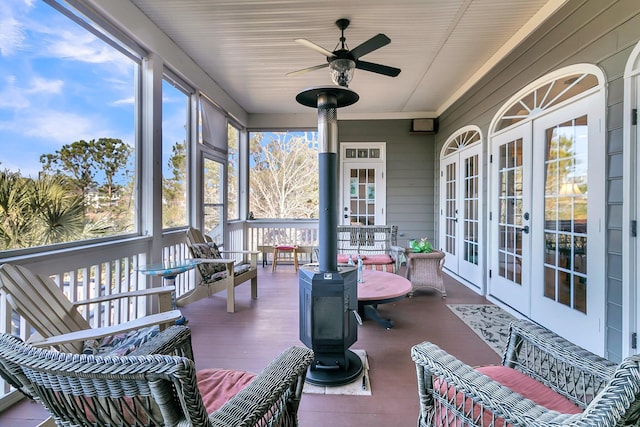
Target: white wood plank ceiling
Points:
(442, 46)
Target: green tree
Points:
(35, 212)
(284, 176)
(174, 188)
(111, 156)
(59, 212)
(76, 160)
(233, 161)
(84, 160)
(107, 202)
(15, 219)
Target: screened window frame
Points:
(181, 85)
(90, 20)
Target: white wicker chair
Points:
(152, 390)
(455, 394)
(424, 270)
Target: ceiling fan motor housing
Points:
(342, 61)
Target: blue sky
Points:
(60, 84)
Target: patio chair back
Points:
(196, 236)
(39, 300)
(153, 390)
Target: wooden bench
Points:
(377, 245)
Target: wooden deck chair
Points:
(219, 274)
(59, 324)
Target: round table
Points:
(380, 287)
(168, 271)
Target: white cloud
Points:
(12, 97)
(125, 101)
(12, 31)
(41, 85)
(81, 46)
(11, 36)
(60, 127)
(15, 98)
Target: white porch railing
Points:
(254, 234)
(88, 271)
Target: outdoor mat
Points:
(489, 322)
(354, 388)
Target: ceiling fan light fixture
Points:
(342, 71)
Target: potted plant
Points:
(421, 246)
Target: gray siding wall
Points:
(411, 181)
(600, 32)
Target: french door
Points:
(568, 279)
(461, 217)
(547, 209)
(510, 216)
(363, 193)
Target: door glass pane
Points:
(565, 207)
(213, 200)
(510, 211)
(471, 208)
(450, 209)
(362, 196)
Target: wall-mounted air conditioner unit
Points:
(429, 126)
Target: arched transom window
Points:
(547, 96)
(461, 141)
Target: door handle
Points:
(525, 229)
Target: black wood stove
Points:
(328, 294)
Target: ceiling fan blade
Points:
(375, 42)
(377, 68)
(312, 45)
(306, 70)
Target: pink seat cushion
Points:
(285, 247)
(217, 386)
(530, 388)
(516, 381)
(344, 258)
(377, 259)
(380, 267)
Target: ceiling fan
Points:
(343, 61)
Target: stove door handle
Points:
(358, 318)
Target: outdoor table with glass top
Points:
(169, 271)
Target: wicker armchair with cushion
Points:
(154, 390)
(219, 274)
(544, 380)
